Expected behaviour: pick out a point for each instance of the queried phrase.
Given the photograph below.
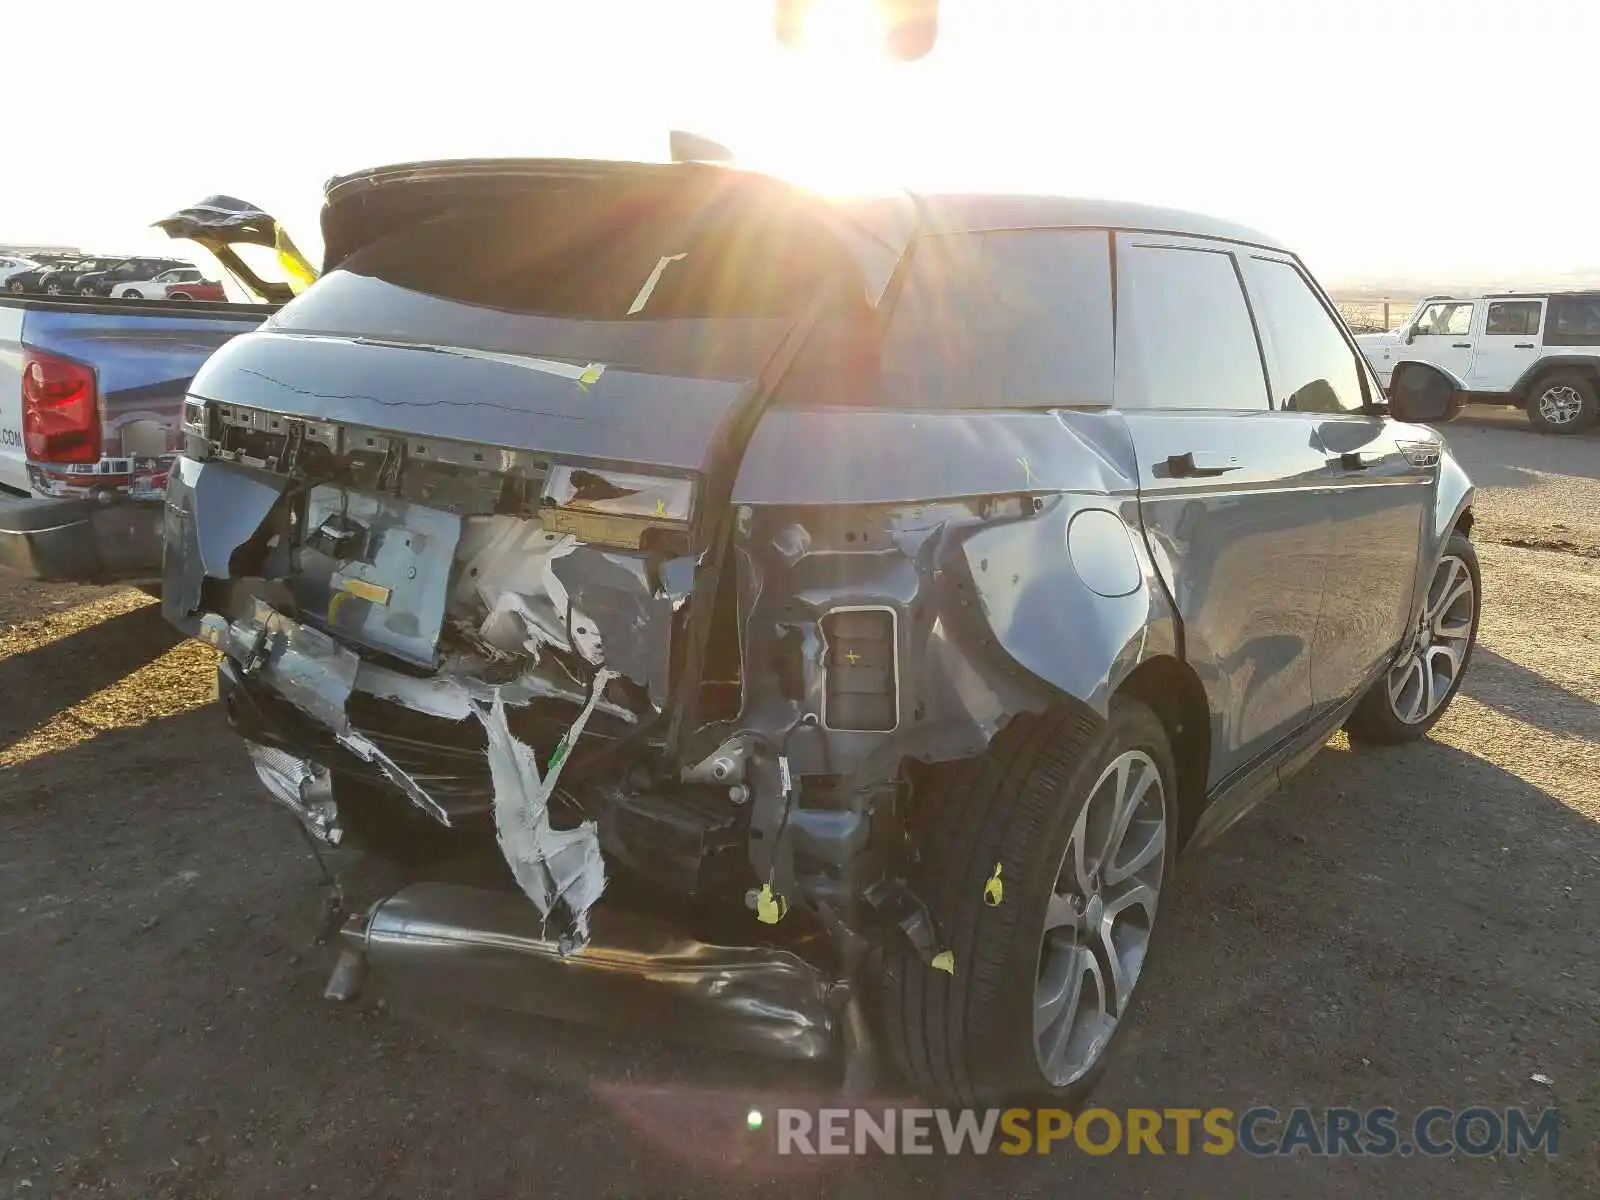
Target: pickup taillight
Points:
(60, 409)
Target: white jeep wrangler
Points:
(1537, 351)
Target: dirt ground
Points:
(1404, 928)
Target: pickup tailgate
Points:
(143, 357)
(13, 463)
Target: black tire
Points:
(967, 1037)
(131, 294)
(1555, 384)
(16, 287)
(1374, 721)
(179, 296)
(53, 289)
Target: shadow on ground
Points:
(39, 683)
(1527, 696)
(1409, 928)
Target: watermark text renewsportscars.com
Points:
(1262, 1131)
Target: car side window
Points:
(1445, 319)
(1012, 319)
(1574, 322)
(1184, 334)
(1518, 318)
(1312, 366)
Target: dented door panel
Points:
(848, 456)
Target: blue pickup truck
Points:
(90, 399)
(91, 393)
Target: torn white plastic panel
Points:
(551, 866)
(505, 572)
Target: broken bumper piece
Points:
(491, 948)
(305, 788)
(316, 675)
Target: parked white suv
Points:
(1539, 352)
(156, 286)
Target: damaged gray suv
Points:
(828, 620)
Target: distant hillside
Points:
(1399, 286)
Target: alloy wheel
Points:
(1560, 405)
(1422, 680)
(1099, 917)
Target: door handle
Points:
(1461, 345)
(1356, 460)
(1525, 346)
(1198, 463)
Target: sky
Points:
(1379, 139)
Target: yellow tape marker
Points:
(945, 961)
(591, 374)
(994, 891)
(770, 905)
(661, 508)
(376, 593)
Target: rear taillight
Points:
(60, 409)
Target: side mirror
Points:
(1422, 395)
(1411, 334)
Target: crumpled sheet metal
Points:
(504, 567)
(554, 867)
(311, 671)
(451, 694)
(535, 590)
(303, 665)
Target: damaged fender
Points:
(209, 514)
(1006, 546)
(954, 570)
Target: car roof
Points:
(977, 212)
(1468, 297)
(936, 212)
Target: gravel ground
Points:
(1407, 928)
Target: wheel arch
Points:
(1170, 688)
(1586, 364)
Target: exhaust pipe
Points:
(489, 948)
